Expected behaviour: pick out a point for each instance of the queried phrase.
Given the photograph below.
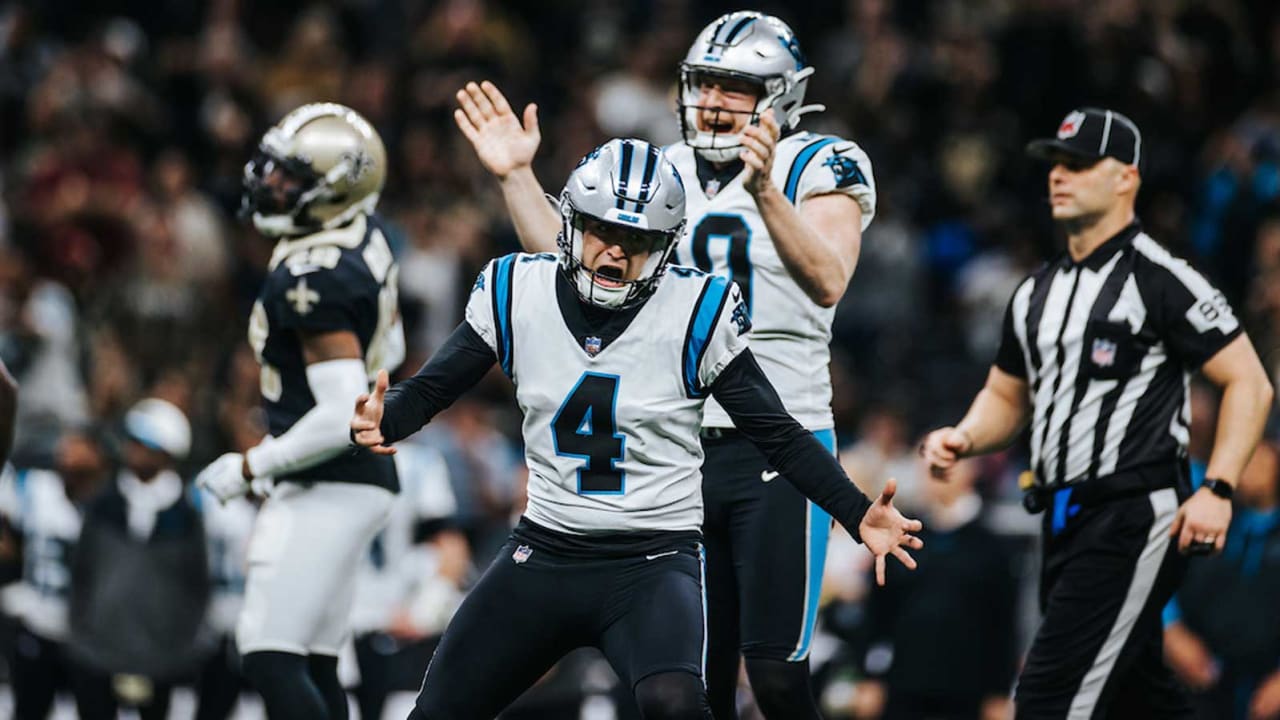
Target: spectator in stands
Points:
(139, 574)
(940, 641)
(1221, 636)
(40, 518)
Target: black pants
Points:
(1109, 568)
(534, 605)
(40, 669)
(388, 665)
(220, 682)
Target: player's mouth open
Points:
(720, 125)
(608, 276)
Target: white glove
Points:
(224, 479)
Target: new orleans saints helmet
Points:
(631, 186)
(316, 169)
(743, 45)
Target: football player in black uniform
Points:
(325, 315)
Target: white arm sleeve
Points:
(324, 431)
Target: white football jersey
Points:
(36, 503)
(726, 235)
(611, 431)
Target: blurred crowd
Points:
(125, 273)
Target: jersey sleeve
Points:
(717, 333)
(479, 313)
(1010, 357)
(1190, 314)
(322, 300)
(834, 166)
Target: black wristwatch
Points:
(1221, 488)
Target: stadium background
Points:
(124, 127)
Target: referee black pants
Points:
(1109, 568)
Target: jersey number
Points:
(585, 427)
(735, 230)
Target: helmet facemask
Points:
(743, 46)
(605, 287)
(317, 169)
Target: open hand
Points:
(366, 425)
(885, 531)
(501, 143)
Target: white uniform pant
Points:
(307, 542)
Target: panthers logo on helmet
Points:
(846, 171)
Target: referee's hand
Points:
(943, 448)
(1203, 519)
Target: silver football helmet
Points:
(316, 169)
(751, 46)
(626, 184)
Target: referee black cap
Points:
(1092, 134)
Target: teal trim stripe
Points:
(704, 322)
(815, 560)
(802, 161)
(502, 308)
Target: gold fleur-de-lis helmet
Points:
(318, 168)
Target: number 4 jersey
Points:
(790, 333)
(336, 280)
(611, 418)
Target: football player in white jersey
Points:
(325, 319)
(781, 212)
(614, 354)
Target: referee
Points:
(1097, 352)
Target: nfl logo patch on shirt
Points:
(1104, 353)
(592, 345)
(522, 554)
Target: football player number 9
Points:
(733, 229)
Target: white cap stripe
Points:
(1106, 135)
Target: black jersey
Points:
(342, 279)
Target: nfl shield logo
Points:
(522, 554)
(1104, 353)
(1070, 125)
(713, 187)
(592, 345)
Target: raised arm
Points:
(820, 239)
(506, 149)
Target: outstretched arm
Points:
(757, 411)
(506, 149)
(388, 416)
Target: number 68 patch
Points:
(1212, 314)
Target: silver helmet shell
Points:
(631, 184)
(751, 46)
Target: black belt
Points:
(1135, 481)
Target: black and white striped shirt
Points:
(1107, 346)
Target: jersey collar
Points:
(1098, 258)
(348, 236)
